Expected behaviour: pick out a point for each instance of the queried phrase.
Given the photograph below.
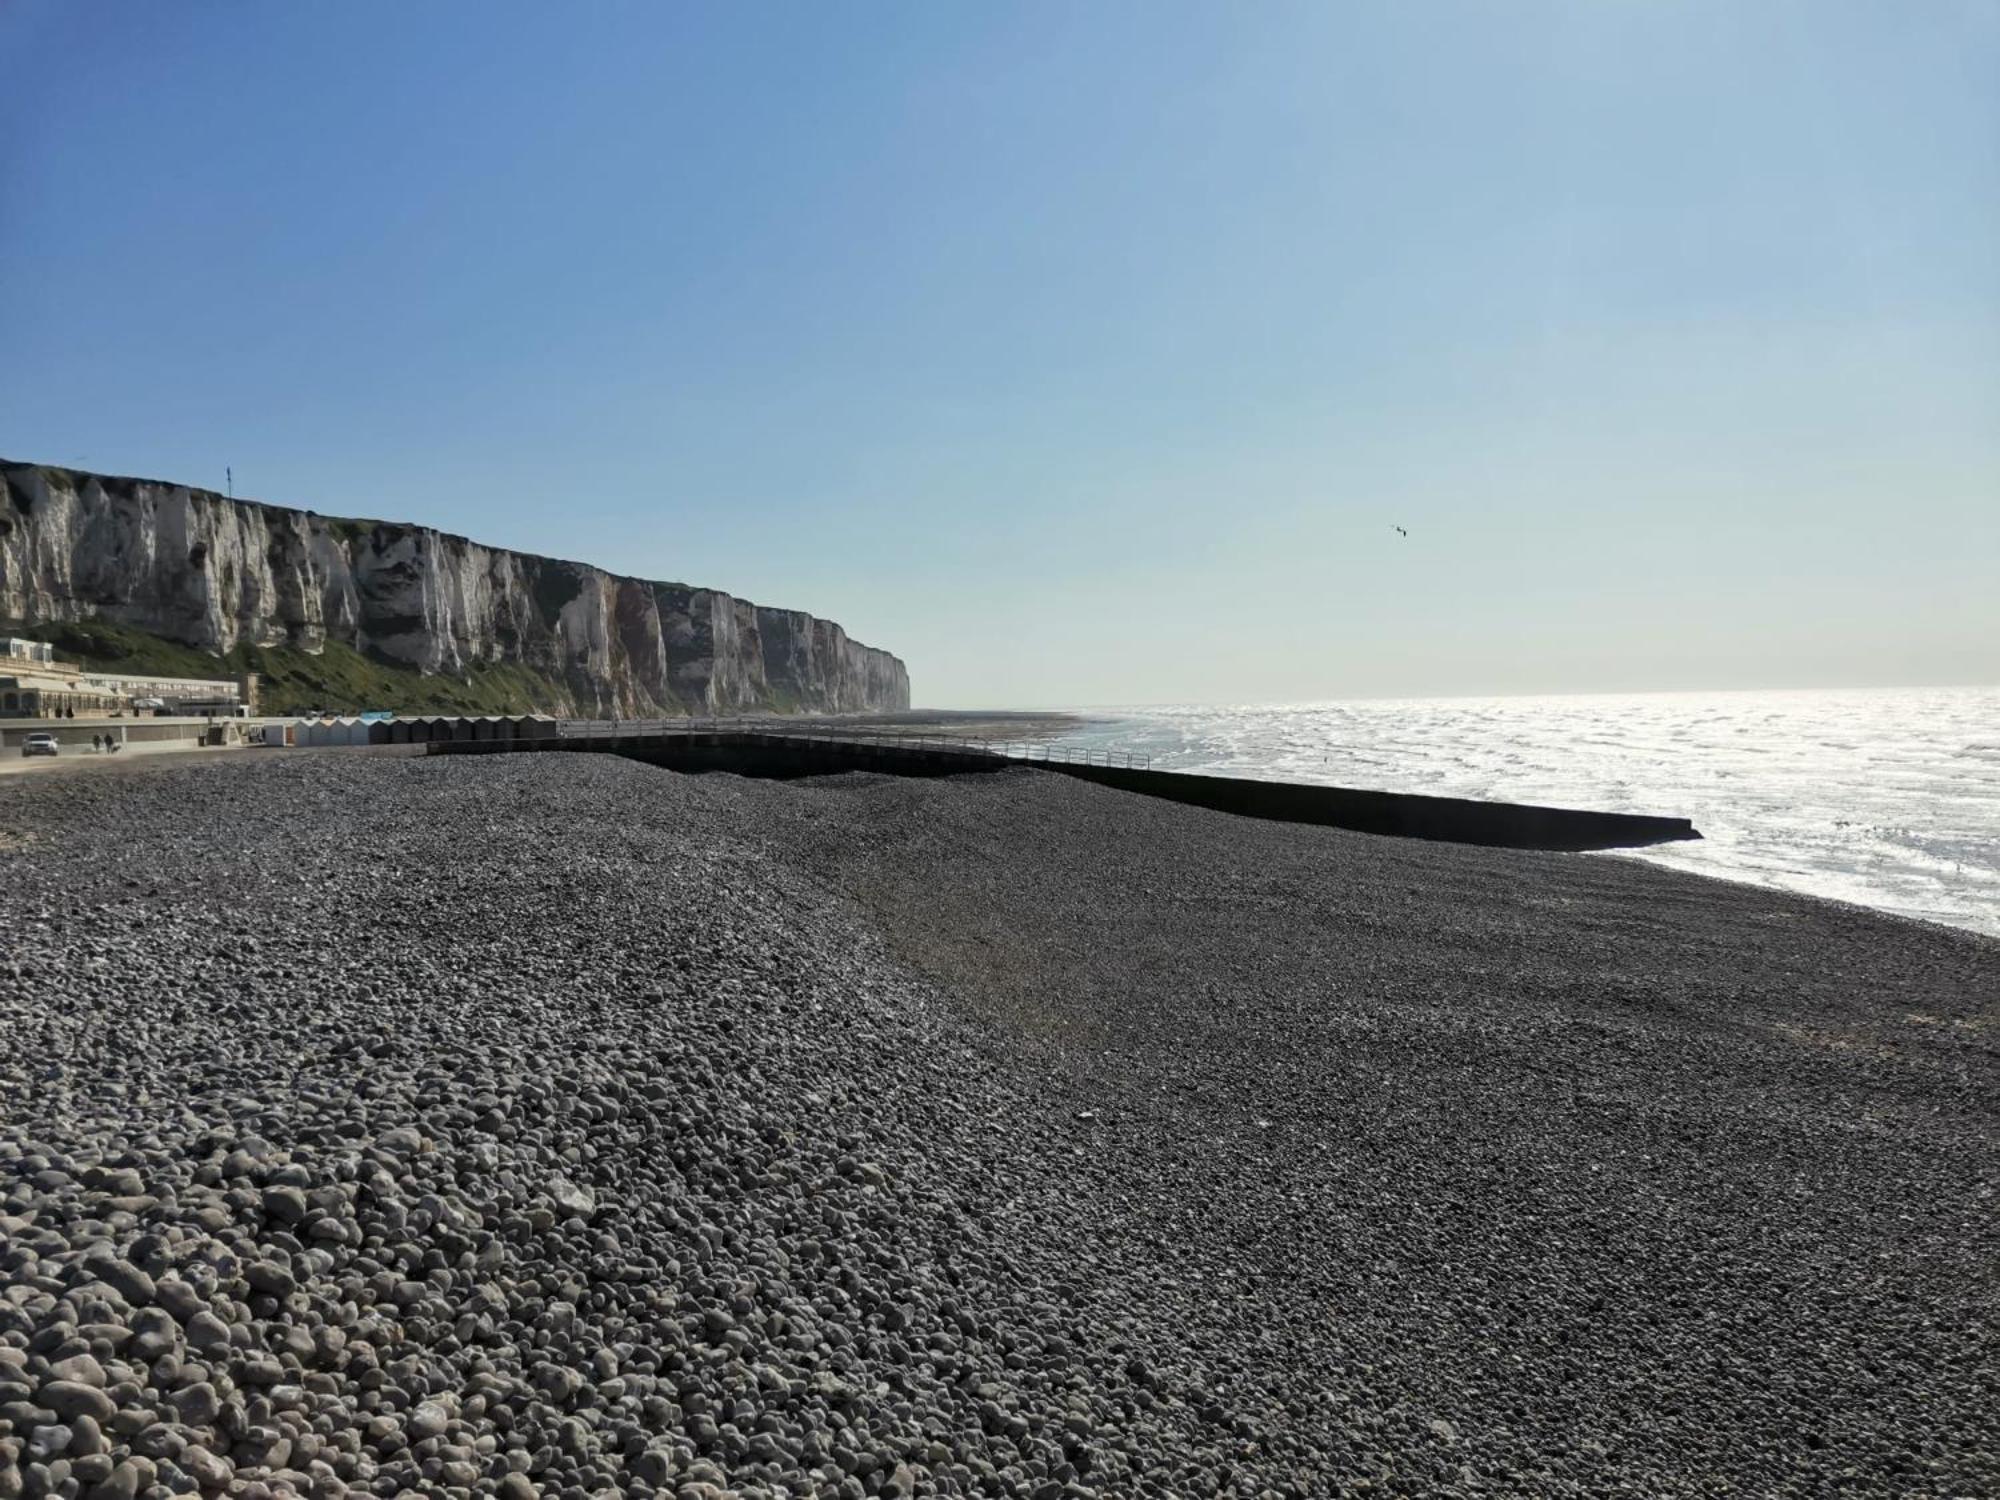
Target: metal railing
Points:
(875, 737)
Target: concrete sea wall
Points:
(1502, 825)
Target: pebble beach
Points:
(558, 1126)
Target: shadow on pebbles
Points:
(557, 1126)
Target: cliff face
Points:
(195, 567)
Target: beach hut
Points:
(378, 730)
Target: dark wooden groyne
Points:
(782, 754)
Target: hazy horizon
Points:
(1665, 692)
(1085, 356)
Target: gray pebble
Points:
(552, 1125)
(71, 1398)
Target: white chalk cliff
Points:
(196, 567)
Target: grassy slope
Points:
(338, 678)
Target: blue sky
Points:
(1078, 353)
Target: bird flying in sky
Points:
(1401, 532)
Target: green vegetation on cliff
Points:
(338, 678)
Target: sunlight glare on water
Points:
(1888, 798)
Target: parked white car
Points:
(39, 744)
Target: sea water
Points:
(1886, 798)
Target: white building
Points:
(17, 648)
(35, 685)
(222, 697)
